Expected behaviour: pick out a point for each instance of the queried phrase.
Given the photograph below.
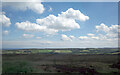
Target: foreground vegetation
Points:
(61, 61)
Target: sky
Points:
(61, 0)
(59, 24)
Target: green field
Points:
(73, 51)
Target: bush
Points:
(16, 67)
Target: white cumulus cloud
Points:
(93, 37)
(104, 33)
(28, 26)
(53, 24)
(65, 38)
(74, 14)
(83, 37)
(35, 6)
(4, 20)
(90, 34)
(58, 23)
(110, 32)
(72, 37)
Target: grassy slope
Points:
(33, 63)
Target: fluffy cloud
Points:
(28, 26)
(64, 21)
(5, 32)
(65, 38)
(102, 27)
(4, 20)
(93, 37)
(35, 6)
(58, 23)
(89, 37)
(106, 33)
(83, 37)
(72, 37)
(51, 24)
(90, 34)
(106, 29)
(110, 32)
(28, 35)
(113, 31)
(74, 14)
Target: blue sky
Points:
(101, 14)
